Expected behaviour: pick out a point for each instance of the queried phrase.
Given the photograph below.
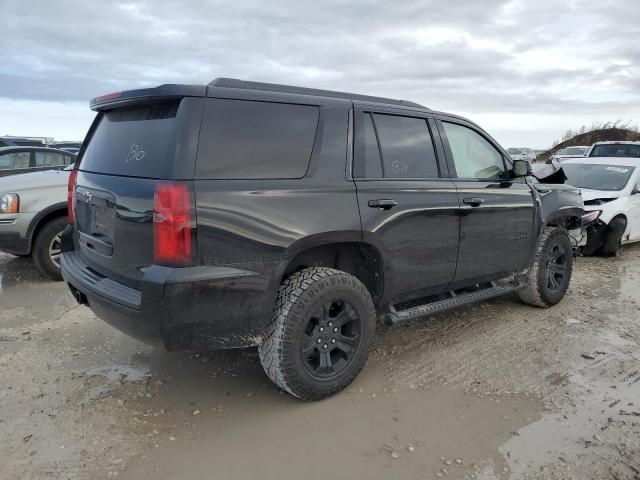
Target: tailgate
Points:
(129, 151)
(114, 225)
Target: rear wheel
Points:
(613, 238)
(549, 277)
(320, 334)
(48, 247)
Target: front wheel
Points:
(320, 334)
(549, 276)
(613, 238)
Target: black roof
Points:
(168, 91)
(274, 87)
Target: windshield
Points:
(514, 151)
(597, 177)
(572, 151)
(616, 150)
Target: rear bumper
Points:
(196, 308)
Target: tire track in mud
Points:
(503, 346)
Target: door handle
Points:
(382, 203)
(473, 201)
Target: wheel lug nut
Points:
(325, 346)
(335, 330)
(319, 340)
(331, 324)
(333, 340)
(322, 329)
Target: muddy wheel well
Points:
(361, 260)
(568, 222)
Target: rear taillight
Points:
(172, 224)
(70, 187)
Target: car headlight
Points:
(9, 203)
(590, 217)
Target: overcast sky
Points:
(525, 70)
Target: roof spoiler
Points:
(146, 95)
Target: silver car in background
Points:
(577, 151)
(522, 154)
(33, 213)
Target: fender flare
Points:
(42, 214)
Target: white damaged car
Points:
(611, 193)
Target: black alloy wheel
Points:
(331, 339)
(557, 267)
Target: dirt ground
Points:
(495, 390)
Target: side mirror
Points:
(521, 168)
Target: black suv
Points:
(240, 214)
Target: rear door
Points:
(130, 150)
(408, 206)
(497, 212)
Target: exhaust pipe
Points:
(80, 297)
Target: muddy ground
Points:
(496, 390)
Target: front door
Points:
(497, 211)
(409, 210)
(634, 211)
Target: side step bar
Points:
(394, 316)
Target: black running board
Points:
(456, 300)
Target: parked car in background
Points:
(73, 150)
(15, 160)
(615, 149)
(248, 214)
(72, 147)
(12, 141)
(522, 154)
(33, 213)
(610, 188)
(569, 152)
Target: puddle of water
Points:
(370, 431)
(602, 406)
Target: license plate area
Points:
(95, 218)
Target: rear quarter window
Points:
(135, 142)
(242, 139)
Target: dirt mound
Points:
(589, 138)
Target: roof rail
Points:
(274, 87)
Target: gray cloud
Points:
(489, 56)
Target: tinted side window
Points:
(247, 139)
(473, 156)
(49, 159)
(407, 148)
(367, 162)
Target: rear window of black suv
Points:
(242, 139)
(134, 141)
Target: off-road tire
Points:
(615, 231)
(281, 349)
(537, 291)
(41, 244)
